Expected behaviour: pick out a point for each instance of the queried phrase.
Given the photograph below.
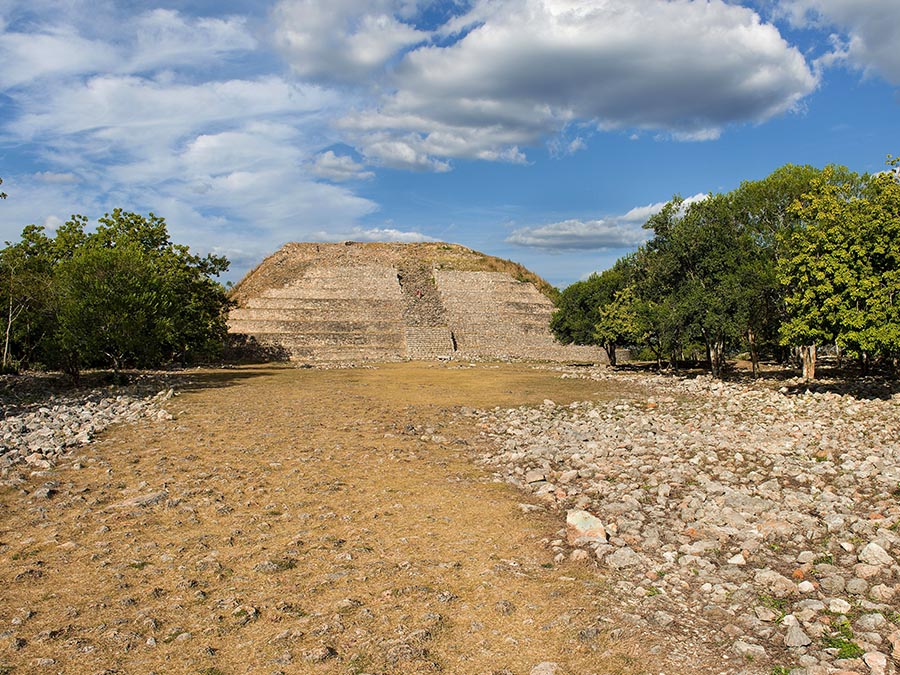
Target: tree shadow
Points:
(28, 391)
(830, 379)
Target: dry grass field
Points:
(303, 521)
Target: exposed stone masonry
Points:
(393, 301)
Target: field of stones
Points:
(484, 519)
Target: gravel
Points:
(760, 517)
(38, 434)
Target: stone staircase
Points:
(427, 332)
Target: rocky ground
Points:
(331, 520)
(307, 521)
(756, 519)
(42, 420)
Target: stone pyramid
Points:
(385, 301)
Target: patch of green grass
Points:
(548, 566)
(824, 559)
(653, 590)
(23, 555)
(770, 601)
(781, 670)
(780, 605)
(842, 640)
(846, 648)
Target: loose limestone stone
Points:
(546, 668)
(873, 554)
(583, 527)
(796, 637)
(623, 557)
(775, 583)
(839, 606)
(749, 651)
(876, 661)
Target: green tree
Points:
(579, 309)
(701, 274)
(120, 296)
(842, 273)
(110, 308)
(28, 294)
(192, 305)
(617, 322)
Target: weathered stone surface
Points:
(583, 527)
(735, 508)
(357, 301)
(140, 500)
(875, 555)
(796, 637)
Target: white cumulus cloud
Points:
(340, 168)
(521, 71)
(621, 231)
(344, 40)
(869, 32)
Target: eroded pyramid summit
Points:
(386, 301)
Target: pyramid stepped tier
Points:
(336, 312)
(356, 301)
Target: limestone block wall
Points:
(330, 313)
(392, 301)
(429, 342)
(492, 313)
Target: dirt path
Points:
(302, 521)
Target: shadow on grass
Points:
(29, 390)
(830, 379)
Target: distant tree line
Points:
(778, 267)
(122, 295)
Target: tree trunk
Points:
(808, 355)
(716, 350)
(610, 350)
(8, 329)
(840, 355)
(754, 351)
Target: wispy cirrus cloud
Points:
(145, 119)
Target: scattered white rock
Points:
(729, 506)
(583, 527)
(873, 554)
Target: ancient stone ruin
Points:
(365, 301)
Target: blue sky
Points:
(544, 131)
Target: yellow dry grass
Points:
(304, 513)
